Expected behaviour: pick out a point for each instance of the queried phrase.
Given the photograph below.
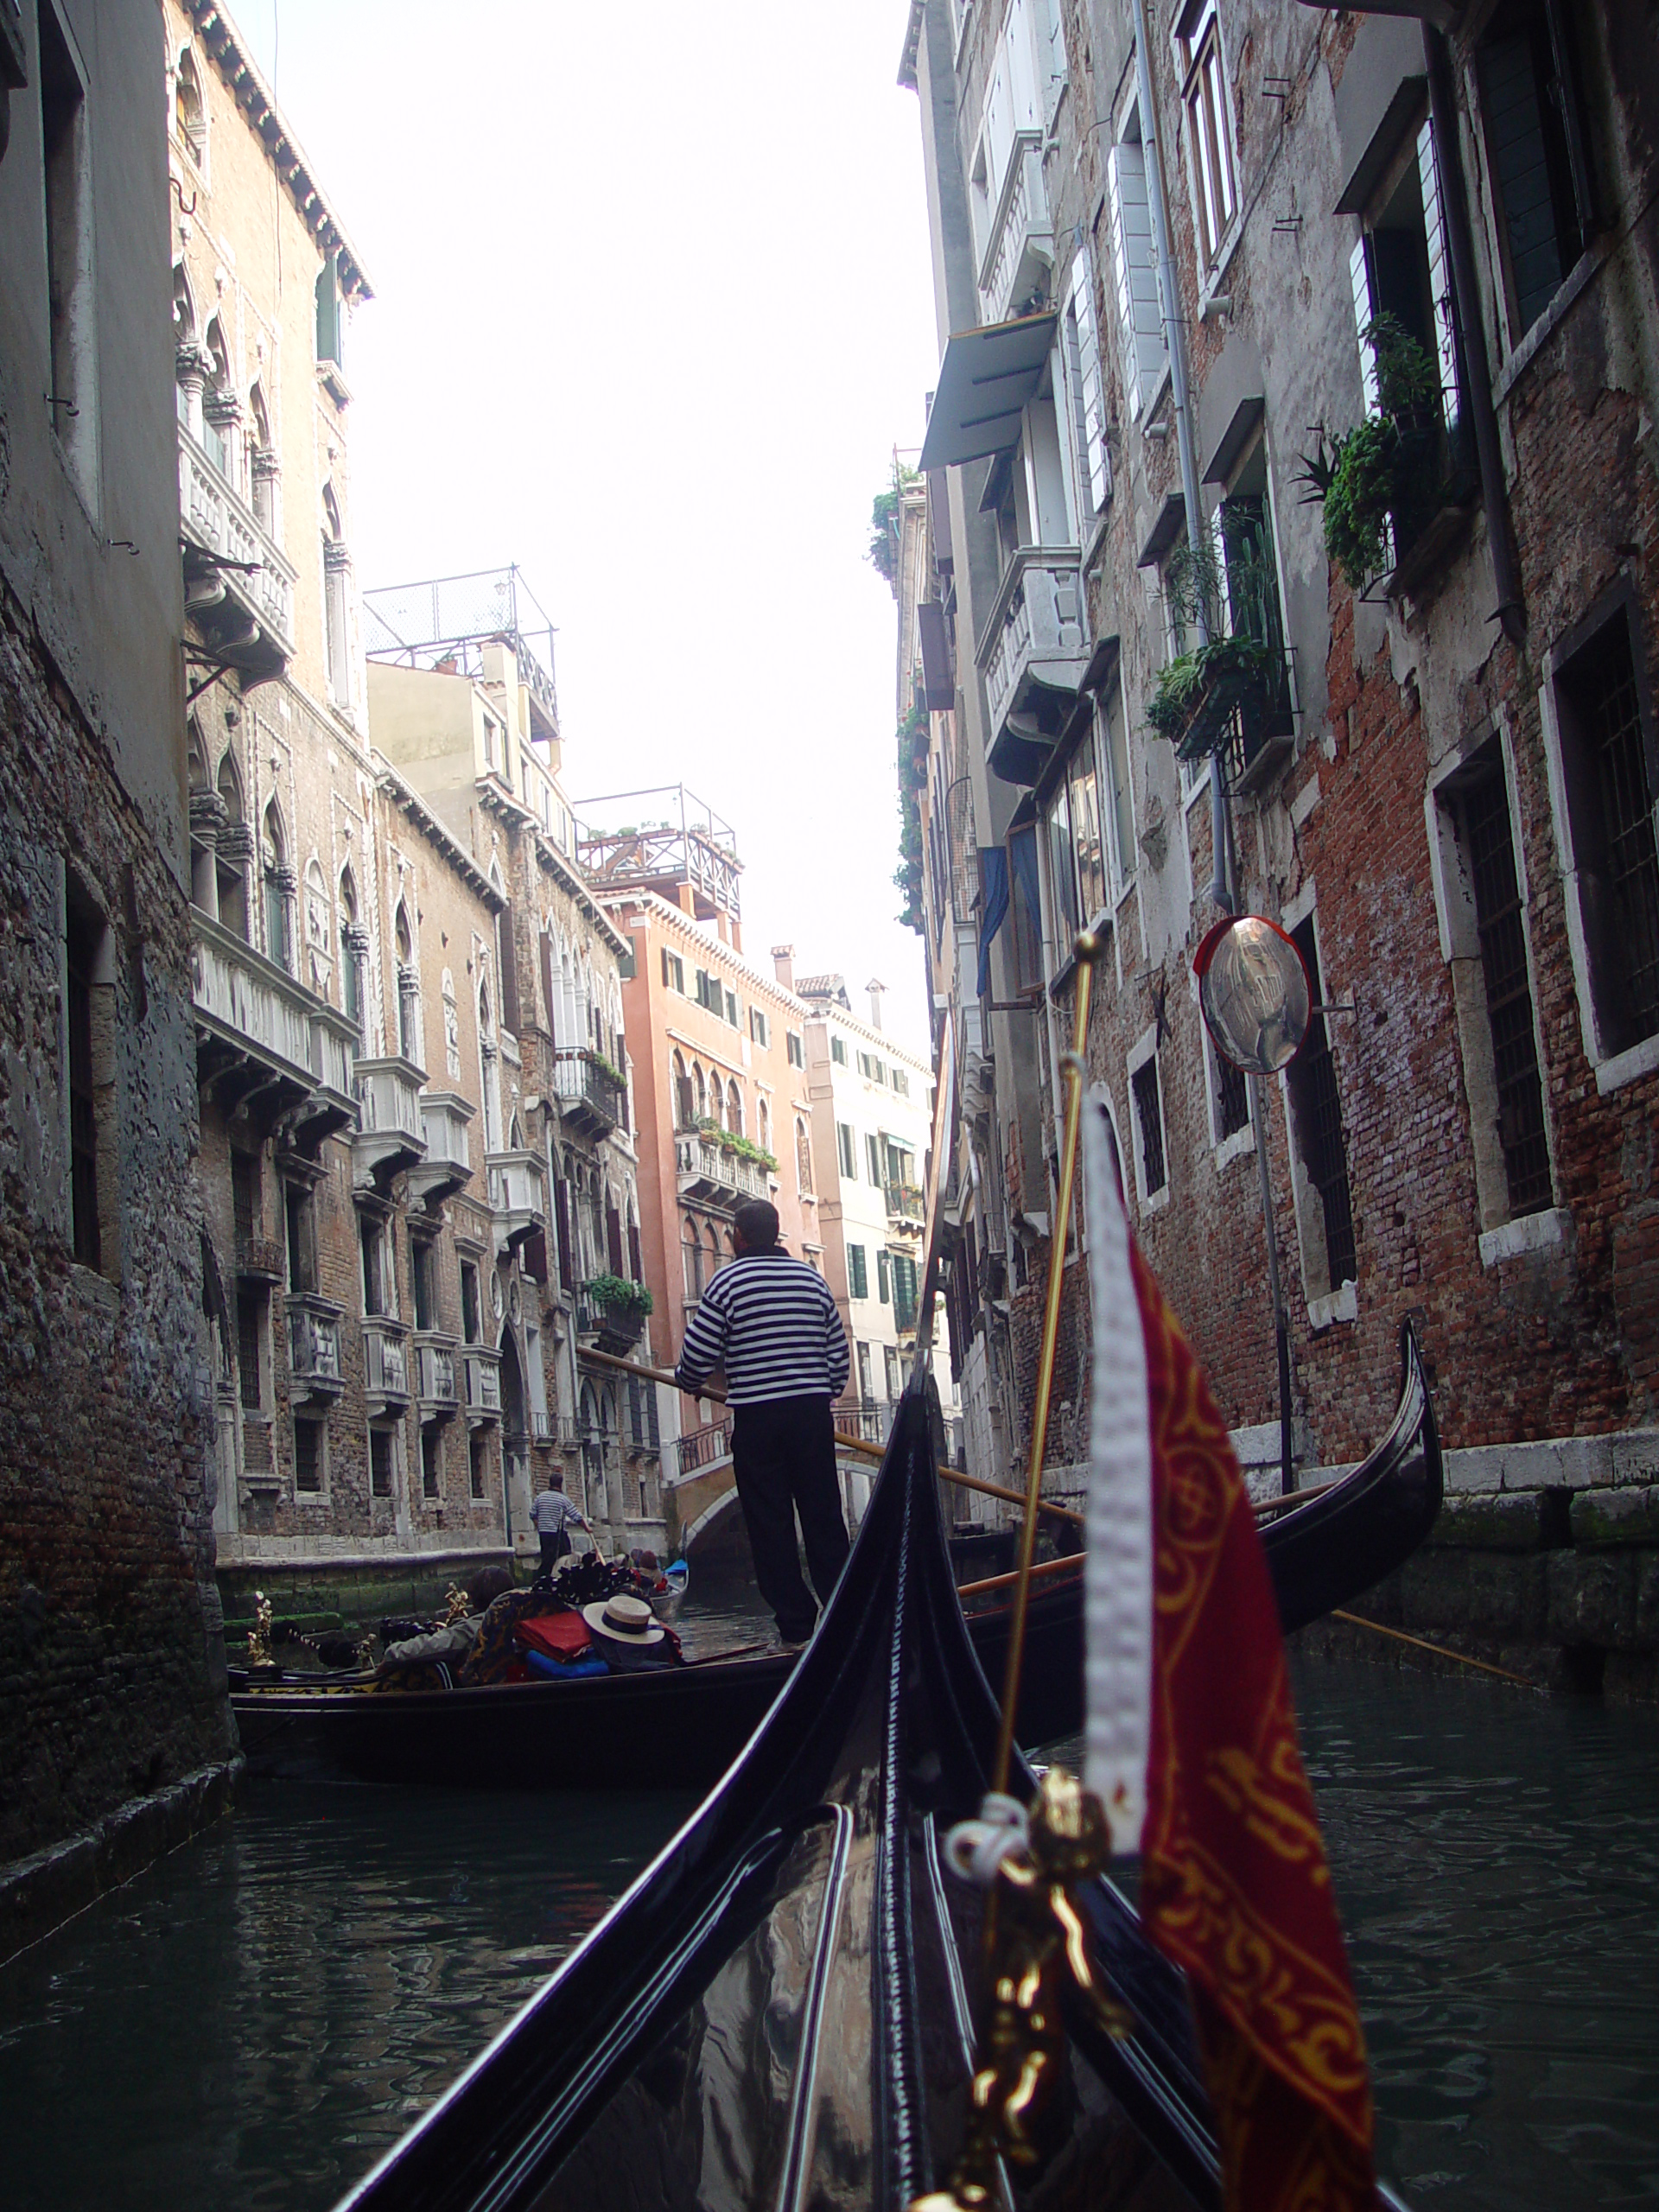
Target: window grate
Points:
(1615, 721)
(1500, 927)
(1232, 1097)
(1318, 1118)
(1149, 1111)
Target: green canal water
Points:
(255, 2020)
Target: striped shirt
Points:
(770, 1322)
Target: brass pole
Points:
(1088, 951)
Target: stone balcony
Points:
(445, 1165)
(244, 612)
(482, 1369)
(313, 1346)
(260, 1261)
(711, 1177)
(386, 1363)
(517, 1197)
(907, 1206)
(1032, 653)
(263, 1042)
(391, 1132)
(589, 1095)
(1020, 246)
(436, 1383)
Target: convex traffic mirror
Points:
(1254, 994)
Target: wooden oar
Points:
(1440, 1650)
(848, 1443)
(1002, 1581)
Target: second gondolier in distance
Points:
(770, 1321)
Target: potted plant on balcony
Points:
(620, 1308)
(1381, 482)
(600, 1065)
(1236, 677)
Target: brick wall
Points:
(112, 1666)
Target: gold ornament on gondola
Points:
(459, 1605)
(1032, 1862)
(259, 1634)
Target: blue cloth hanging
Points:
(993, 889)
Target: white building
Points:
(872, 1124)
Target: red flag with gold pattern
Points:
(1192, 1749)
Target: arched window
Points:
(489, 1069)
(350, 952)
(261, 461)
(233, 847)
(763, 1125)
(279, 890)
(195, 756)
(716, 1255)
(189, 368)
(691, 1259)
(408, 988)
(219, 405)
(189, 109)
(733, 1108)
(803, 1157)
(319, 929)
(699, 1094)
(336, 587)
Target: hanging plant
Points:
(598, 1061)
(1376, 483)
(617, 1294)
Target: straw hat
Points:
(624, 1620)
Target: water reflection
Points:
(1495, 1855)
(258, 2018)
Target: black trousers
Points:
(555, 1544)
(784, 1459)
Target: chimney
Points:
(875, 987)
(783, 965)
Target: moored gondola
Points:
(777, 2014)
(682, 1728)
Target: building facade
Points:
(871, 1122)
(1304, 571)
(114, 1655)
(471, 719)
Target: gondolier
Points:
(551, 1514)
(770, 1321)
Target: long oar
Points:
(850, 1443)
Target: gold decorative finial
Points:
(1088, 945)
(1042, 1859)
(259, 1634)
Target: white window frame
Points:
(1454, 911)
(1140, 327)
(1212, 155)
(1612, 1070)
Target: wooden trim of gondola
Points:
(1088, 950)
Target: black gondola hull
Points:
(776, 2013)
(681, 1729)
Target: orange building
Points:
(719, 1060)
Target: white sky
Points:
(652, 308)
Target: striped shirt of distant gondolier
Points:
(770, 1322)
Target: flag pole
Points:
(1088, 950)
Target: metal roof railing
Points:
(443, 617)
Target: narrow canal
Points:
(254, 2020)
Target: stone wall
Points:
(111, 1660)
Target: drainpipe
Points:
(1489, 456)
(1169, 308)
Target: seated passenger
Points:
(630, 1640)
(455, 1639)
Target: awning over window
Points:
(986, 379)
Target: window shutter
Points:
(1439, 275)
(858, 1281)
(547, 985)
(1136, 278)
(883, 1266)
(668, 981)
(613, 1238)
(635, 1270)
(873, 1154)
(1094, 468)
(1359, 277)
(562, 1224)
